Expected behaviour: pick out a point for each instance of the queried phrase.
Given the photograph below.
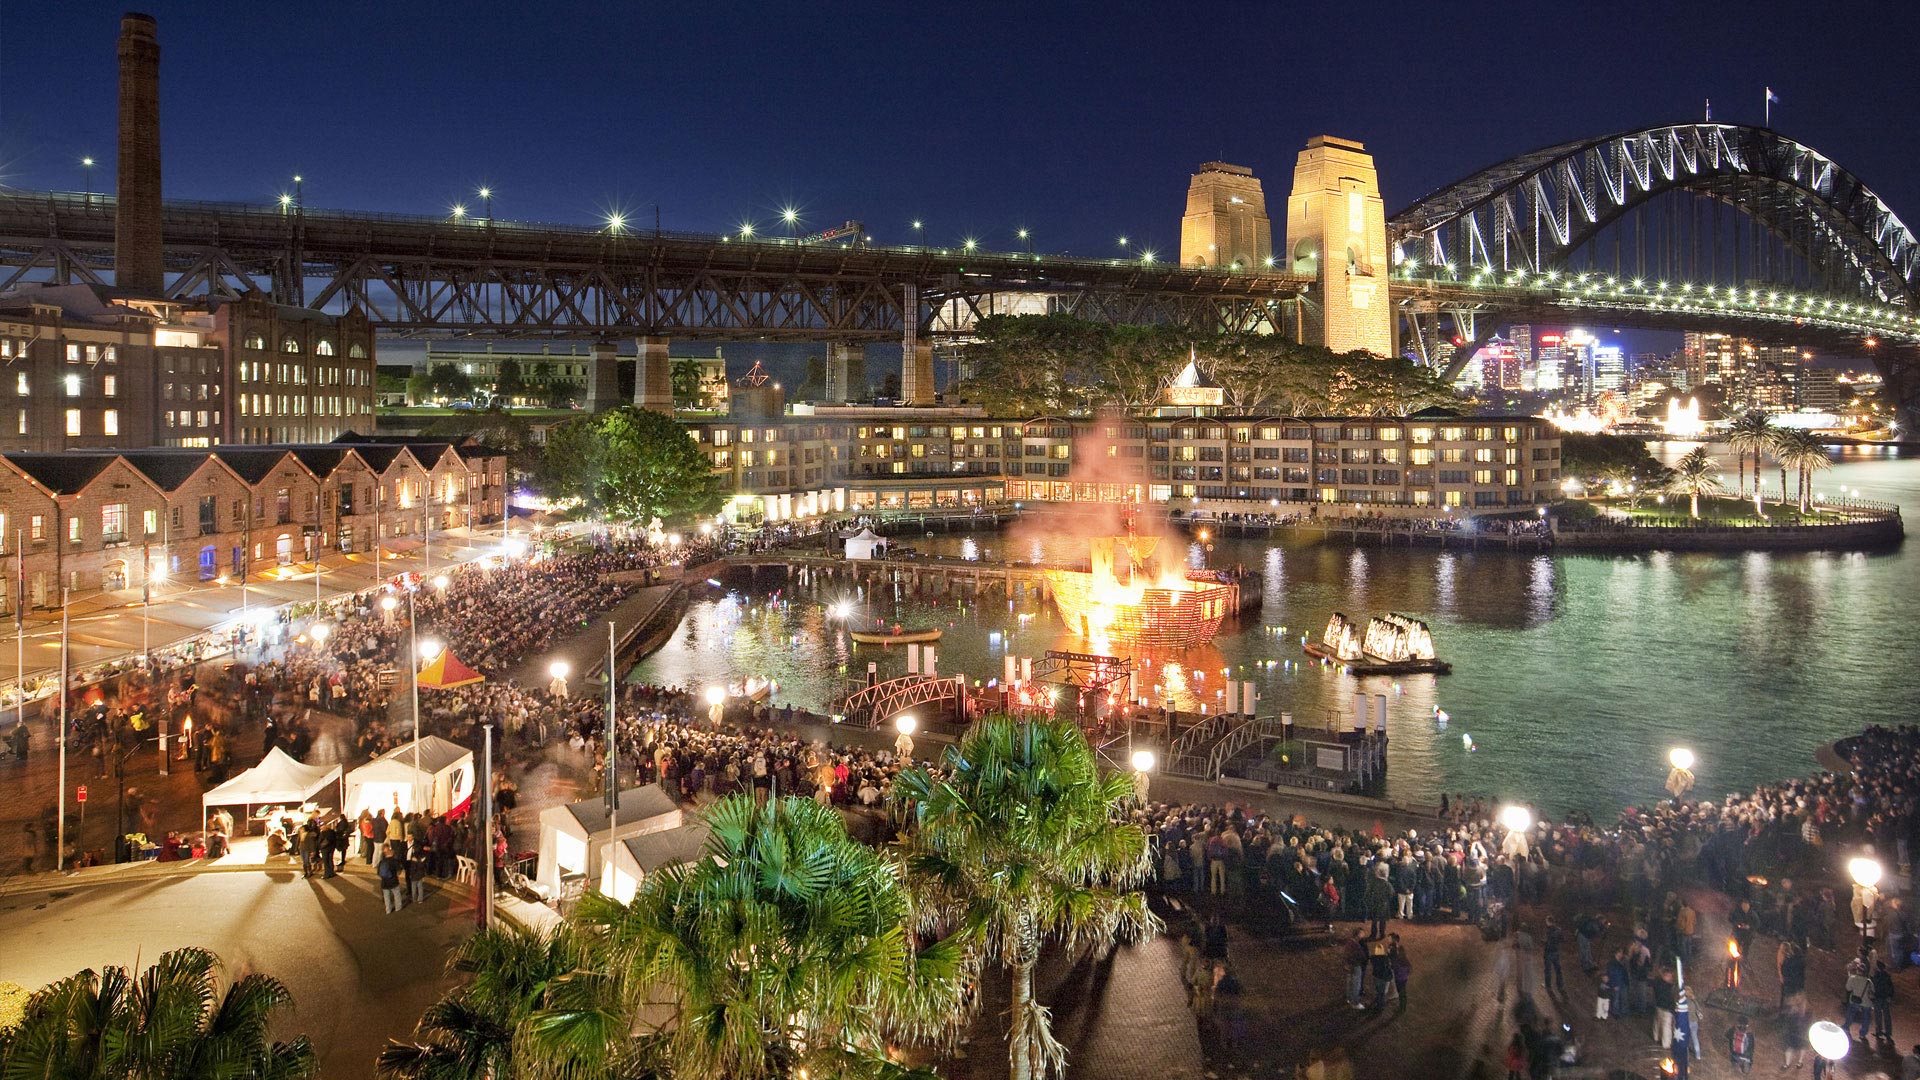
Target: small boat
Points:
(895, 636)
(1394, 645)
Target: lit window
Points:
(73, 353)
(255, 341)
(323, 347)
(37, 527)
(110, 385)
(73, 529)
(73, 421)
(20, 384)
(289, 345)
(110, 422)
(73, 386)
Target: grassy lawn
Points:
(1717, 510)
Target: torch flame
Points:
(1733, 949)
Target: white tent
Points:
(445, 778)
(574, 837)
(863, 544)
(627, 863)
(278, 779)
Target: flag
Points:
(1772, 98)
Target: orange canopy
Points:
(444, 672)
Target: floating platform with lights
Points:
(1393, 644)
(894, 637)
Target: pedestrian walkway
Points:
(585, 652)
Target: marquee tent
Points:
(863, 544)
(445, 774)
(574, 836)
(278, 779)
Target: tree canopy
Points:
(630, 464)
(1033, 364)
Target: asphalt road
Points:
(358, 976)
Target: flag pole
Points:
(1768, 108)
(613, 753)
(60, 836)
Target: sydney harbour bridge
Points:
(1701, 226)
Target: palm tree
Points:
(1022, 842)
(1751, 432)
(785, 952)
(1808, 455)
(170, 1023)
(1693, 476)
(469, 1033)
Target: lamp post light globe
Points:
(320, 633)
(1865, 872)
(716, 704)
(716, 695)
(1680, 779)
(1829, 1040)
(906, 724)
(441, 581)
(559, 669)
(1518, 821)
(1144, 761)
(1680, 757)
(429, 649)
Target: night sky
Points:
(1080, 122)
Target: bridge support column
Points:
(653, 376)
(1337, 231)
(845, 361)
(916, 373)
(603, 378)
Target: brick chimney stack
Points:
(137, 261)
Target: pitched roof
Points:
(378, 457)
(63, 474)
(636, 805)
(320, 460)
(252, 463)
(168, 469)
(669, 847)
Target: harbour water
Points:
(1573, 674)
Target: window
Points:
(23, 421)
(37, 527)
(357, 351)
(113, 522)
(289, 345)
(110, 422)
(73, 353)
(73, 421)
(20, 384)
(73, 529)
(73, 386)
(110, 385)
(323, 347)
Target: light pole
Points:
(906, 725)
(792, 217)
(716, 704)
(298, 203)
(919, 233)
(1830, 1043)
(1143, 763)
(1866, 873)
(1026, 238)
(1680, 780)
(486, 204)
(559, 669)
(146, 612)
(423, 654)
(1517, 820)
(86, 178)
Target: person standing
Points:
(1617, 979)
(397, 831)
(1354, 952)
(1402, 970)
(1740, 1045)
(376, 835)
(1381, 961)
(1553, 980)
(1858, 998)
(1882, 1001)
(1793, 1036)
(1663, 1000)
(1379, 900)
(389, 871)
(1793, 973)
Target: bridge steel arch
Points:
(1531, 212)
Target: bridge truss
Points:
(874, 705)
(496, 279)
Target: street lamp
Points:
(616, 223)
(971, 243)
(1123, 242)
(1865, 873)
(387, 604)
(1518, 821)
(441, 581)
(320, 632)
(1143, 763)
(86, 177)
(716, 704)
(486, 203)
(459, 212)
(906, 725)
(298, 202)
(155, 575)
(792, 217)
(1830, 1044)
(1027, 238)
(559, 669)
(1680, 780)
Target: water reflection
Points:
(1572, 674)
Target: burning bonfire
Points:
(1124, 598)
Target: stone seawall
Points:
(1886, 532)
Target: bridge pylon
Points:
(653, 376)
(1337, 232)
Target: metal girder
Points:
(1531, 212)
(510, 279)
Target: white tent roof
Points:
(277, 779)
(436, 754)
